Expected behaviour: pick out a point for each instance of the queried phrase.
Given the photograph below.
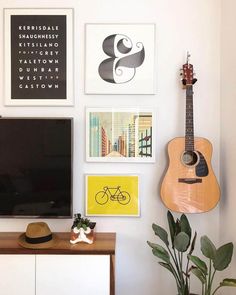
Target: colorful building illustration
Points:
(95, 136)
(120, 134)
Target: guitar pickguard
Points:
(201, 168)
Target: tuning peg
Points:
(188, 57)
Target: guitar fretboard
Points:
(189, 129)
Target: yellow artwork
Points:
(114, 195)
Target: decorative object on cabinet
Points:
(112, 195)
(37, 236)
(177, 255)
(120, 59)
(190, 185)
(38, 56)
(82, 230)
(120, 135)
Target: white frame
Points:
(120, 159)
(68, 12)
(144, 81)
(116, 175)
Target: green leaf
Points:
(223, 257)
(152, 245)
(177, 227)
(181, 242)
(84, 226)
(166, 265)
(197, 272)
(199, 263)
(160, 252)
(161, 233)
(228, 283)
(185, 226)
(193, 243)
(207, 247)
(172, 226)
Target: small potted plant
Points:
(82, 230)
(176, 256)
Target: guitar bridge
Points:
(190, 180)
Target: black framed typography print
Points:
(38, 56)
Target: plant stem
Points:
(187, 265)
(173, 256)
(209, 278)
(180, 268)
(187, 273)
(212, 278)
(175, 274)
(175, 262)
(178, 261)
(216, 290)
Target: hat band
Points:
(38, 240)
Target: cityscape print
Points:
(125, 134)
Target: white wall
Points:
(228, 121)
(181, 25)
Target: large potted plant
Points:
(176, 255)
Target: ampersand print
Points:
(124, 58)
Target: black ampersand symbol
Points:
(122, 64)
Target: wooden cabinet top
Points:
(104, 244)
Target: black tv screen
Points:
(36, 167)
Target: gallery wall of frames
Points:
(113, 66)
(39, 72)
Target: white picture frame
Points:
(120, 59)
(112, 195)
(120, 135)
(38, 57)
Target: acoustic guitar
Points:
(189, 185)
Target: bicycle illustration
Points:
(114, 194)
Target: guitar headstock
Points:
(188, 76)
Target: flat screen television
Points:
(36, 167)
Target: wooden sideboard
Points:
(59, 270)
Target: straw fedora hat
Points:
(37, 236)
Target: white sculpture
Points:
(80, 235)
(82, 230)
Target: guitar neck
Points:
(189, 128)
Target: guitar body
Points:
(190, 188)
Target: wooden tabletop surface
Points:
(104, 244)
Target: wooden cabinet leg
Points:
(112, 274)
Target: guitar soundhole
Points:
(190, 158)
